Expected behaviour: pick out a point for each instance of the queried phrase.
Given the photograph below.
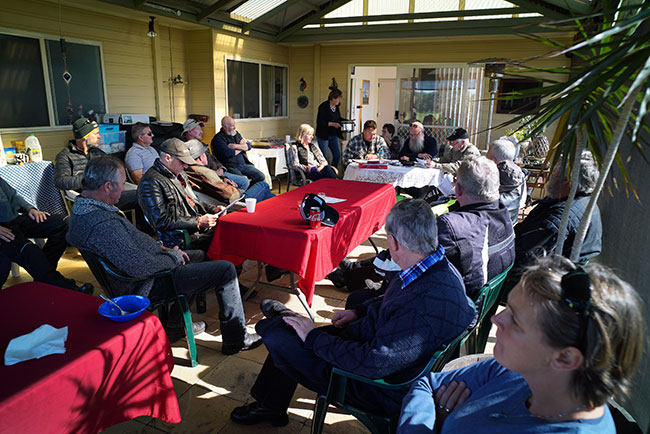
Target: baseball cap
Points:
(178, 149)
(196, 148)
(190, 124)
(328, 215)
(82, 128)
(459, 133)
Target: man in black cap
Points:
(70, 163)
(165, 195)
(459, 149)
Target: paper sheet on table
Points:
(42, 342)
(333, 200)
(446, 186)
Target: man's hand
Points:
(334, 124)
(185, 258)
(207, 221)
(449, 397)
(344, 317)
(371, 156)
(300, 324)
(425, 156)
(6, 234)
(220, 172)
(38, 216)
(230, 182)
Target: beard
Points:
(232, 133)
(417, 144)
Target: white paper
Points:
(42, 342)
(446, 186)
(333, 200)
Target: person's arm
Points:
(405, 153)
(294, 161)
(220, 148)
(382, 147)
(63, 173)
(353, 150)
(15, 200)
(318, 155)
(535, 237)
(158, 212)
(452, 166)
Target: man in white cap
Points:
(165, 195)
(460, 148)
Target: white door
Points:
(386, 101)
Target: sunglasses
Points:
(576, 293)
(148, 134)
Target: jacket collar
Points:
(162, 169)
(480, 206)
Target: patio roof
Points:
(314, 20)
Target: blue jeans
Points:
(249, 171)
(332, 143)
(260, 191)
(241, 181)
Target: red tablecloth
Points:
(110, 372)
(277, 235)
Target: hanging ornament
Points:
(303, 84)
(303, 101)
(334, 84)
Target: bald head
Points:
(228, 125)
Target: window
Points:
(254, 88)
(32, 90)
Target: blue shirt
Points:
(410, 274)
(497, 405)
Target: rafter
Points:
(276, 10)
(212, 9)
(311, 18)
(542, 7)
(138, 3)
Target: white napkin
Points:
(333, 200)
(43, 341)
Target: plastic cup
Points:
(250, 204)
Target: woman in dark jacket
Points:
(308, 157)
(328, 126)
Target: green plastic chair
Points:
(101, 270)
(376, 423)
(486, 301)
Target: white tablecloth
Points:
(400, 176)
(277, 153)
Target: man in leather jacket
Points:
(165, 195)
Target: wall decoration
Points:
(334, 84)
(365, 91)
(518, 105)
(303, 84)
(303, 101)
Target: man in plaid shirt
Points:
(365, 146)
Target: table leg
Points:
(301, 297)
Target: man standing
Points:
(141, 156)
(168, 202)
(98, 226)
(230, 148)
(392, 336)
(70, 163)
(512, 185)
(458, 149)
(366, 145)
(418, 145)
(20, 221)
(537, 234)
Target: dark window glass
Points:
(23, 101)
(86, 89)
(243, 89)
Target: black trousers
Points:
(40, 264)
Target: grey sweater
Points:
(103, 230)
(11, 203)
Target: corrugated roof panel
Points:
(256, 8)
(378, 7)
(351, 9)
(487, 4)
(435, 5)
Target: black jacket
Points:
(165, 201)
(70, 164)
(326, 115)
(473, 232)
(430, 147)
(226, 156)
(537, 234)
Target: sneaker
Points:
(254, 413)
(337, 278)
(251, 340)
(176, 333)
(271, 308)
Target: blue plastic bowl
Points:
(130, 303)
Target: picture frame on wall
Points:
(510, 86)
(365, 91)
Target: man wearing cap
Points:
(165, 195)
(459, 148)
(220, 181)
(230, 148)
(418, 145)
(70, 163)
(140, 157)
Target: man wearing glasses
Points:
(141, 156)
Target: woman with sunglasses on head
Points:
(308, 157)
(568, 340)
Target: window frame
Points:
(259, 78)
(49, 94)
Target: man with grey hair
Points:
(140, 157)
(512, 180)
(418, 145)
(537, 234)
(458, 149)
(393, 336)
(477, 238)
(96, 225)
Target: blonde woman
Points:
(308, 156)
